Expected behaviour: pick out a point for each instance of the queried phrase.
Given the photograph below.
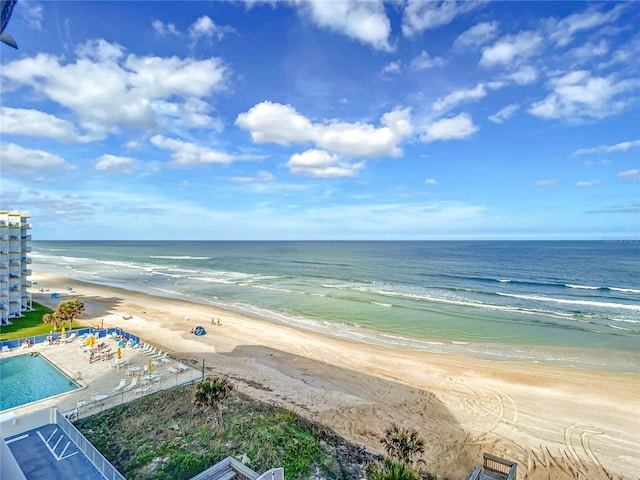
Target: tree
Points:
(67, 310)
(402, 444)
(209, 395)
(390, 470)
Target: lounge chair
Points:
(152, 353)
(120, 386)
(142, 390)
(133, 383)
(165, 359)
(71, 338)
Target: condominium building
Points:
(15, 245)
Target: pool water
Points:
(25, 379)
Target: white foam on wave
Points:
(591, 303)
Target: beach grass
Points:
(30, 324)
(163, 436)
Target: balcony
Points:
(25, 225)
(26, 260)
(26, 271)
(26, 283)
(26, 238)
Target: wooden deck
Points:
(495, 468)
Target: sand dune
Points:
(557, 423)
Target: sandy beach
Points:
(556, 422)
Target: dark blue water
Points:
(558, 302)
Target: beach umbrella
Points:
(63, 333)
(91, 341)
(149, 367)
(119, 353)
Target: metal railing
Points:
(95, 457)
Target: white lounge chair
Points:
(133, 383)
(142, 390)
(120, 386)
(71, 338)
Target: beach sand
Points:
(556, 422)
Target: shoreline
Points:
(566, 422)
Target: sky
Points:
(322, 120)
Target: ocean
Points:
(571, 303)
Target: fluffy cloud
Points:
(504, 113)
(579, 95)
(511, 48)
(106, 89)
(163, 29)
(282, 124)
(524, 76)
(205, 27)
(115, 164)
(186, 154)
(366, 22)
(454, 128)
(424, 61)
(322, 164)
(476, 36)
(19, 160)
(34, 123)
(546, 183)
(420, 15)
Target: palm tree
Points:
(67, 310)
(209, 395)
(402, 444)
(390, 470)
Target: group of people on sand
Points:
(214, 322)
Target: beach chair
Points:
(71, 338)
(120, 386)
(133, 383)
(165, 359)
(173, 370)
(142, 390)
(152, 352)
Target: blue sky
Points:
(323, 120)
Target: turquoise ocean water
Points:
(574, 303)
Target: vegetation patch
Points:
(30, 324)
(168, 436)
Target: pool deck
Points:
(47, 453)
(97, 379)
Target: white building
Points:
(15, 244)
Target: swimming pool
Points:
(25, 379)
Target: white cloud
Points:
(453, 99)
(589, 184)
(366, 22)
(511, 48)
(392, 68)
(19, 160)
(431, 181)
(587, 52)
(282, 124)
(618, 147)
(115, 164)
(504, 113)
(562, 31)
(424, 61)
(205, 27)
(420, 15)
(632, 174)
(262, 176)
(579, 95)
(526, 75)
(163, 29)
(478, 35)
(186, 154)
(107, 89)
(321, 164)
(32, 14)
(454, 128)
(546, 183)
(34, 123)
